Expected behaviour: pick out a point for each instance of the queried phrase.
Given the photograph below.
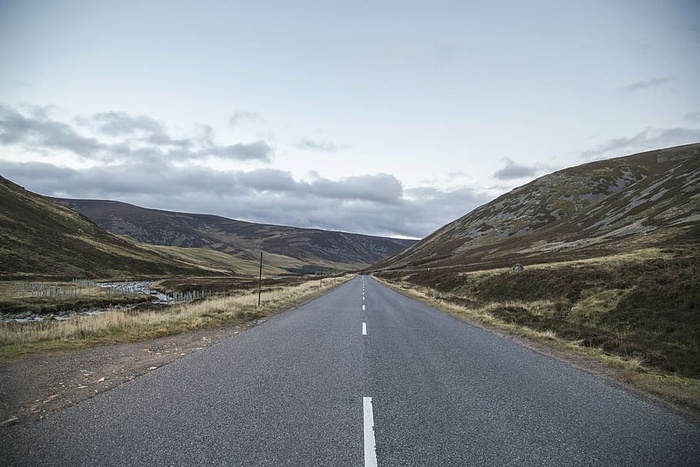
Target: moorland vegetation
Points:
(601, 260)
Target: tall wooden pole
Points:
(260, 279)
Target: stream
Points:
(134, 287)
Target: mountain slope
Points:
(649, 198)
(312, 248)
(39, 237)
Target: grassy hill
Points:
(604, 207)
(294, 249)
(42, 238)
(607, 259)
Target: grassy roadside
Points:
(18, 341)
(628, 368)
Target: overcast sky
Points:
(380, 117)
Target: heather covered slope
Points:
(649, 199)
(309, 248)
(609, 262)
(42, 238)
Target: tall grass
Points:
(17, 340)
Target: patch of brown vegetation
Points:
(646, 309)
(224, 284)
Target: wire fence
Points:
(80, 288)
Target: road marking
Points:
(363, 308)
(364, 329)
(370, 445)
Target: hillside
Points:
(42, 238)
(609, 266)
(306, 249)
(650, 199)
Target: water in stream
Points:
(134, 287)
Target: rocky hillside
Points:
(42, 238)
(313, 248)
(643, 200)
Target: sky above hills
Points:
(379, 117)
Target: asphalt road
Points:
(362, 376)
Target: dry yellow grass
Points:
(18, 340)
(24, 289)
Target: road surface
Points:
(362, 376)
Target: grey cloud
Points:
(692, 116)
(267, 180)
(121, 123)
(149, 177)
(646, 140)
(420, 212)
(40, 132)
(641, 85)
(616, 145)
(371, 204)
(464, 194)
(675, 136)
(314, 145)
(162, 139)
(148, 156)
(512, 171)
(40, 176)
(258, 150)
(381, 188)
(139, 136)
(41, 112)
(447, 204)
(206, 139)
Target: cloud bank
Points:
(115, 137)
(136, 160)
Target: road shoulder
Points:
(41, 385)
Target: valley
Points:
(233, 245)
(596, 264)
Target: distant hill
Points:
(645, 200)
(309, 250)
(42, 238)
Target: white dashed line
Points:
(363, 308)
(364, 329)
(370, 447)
